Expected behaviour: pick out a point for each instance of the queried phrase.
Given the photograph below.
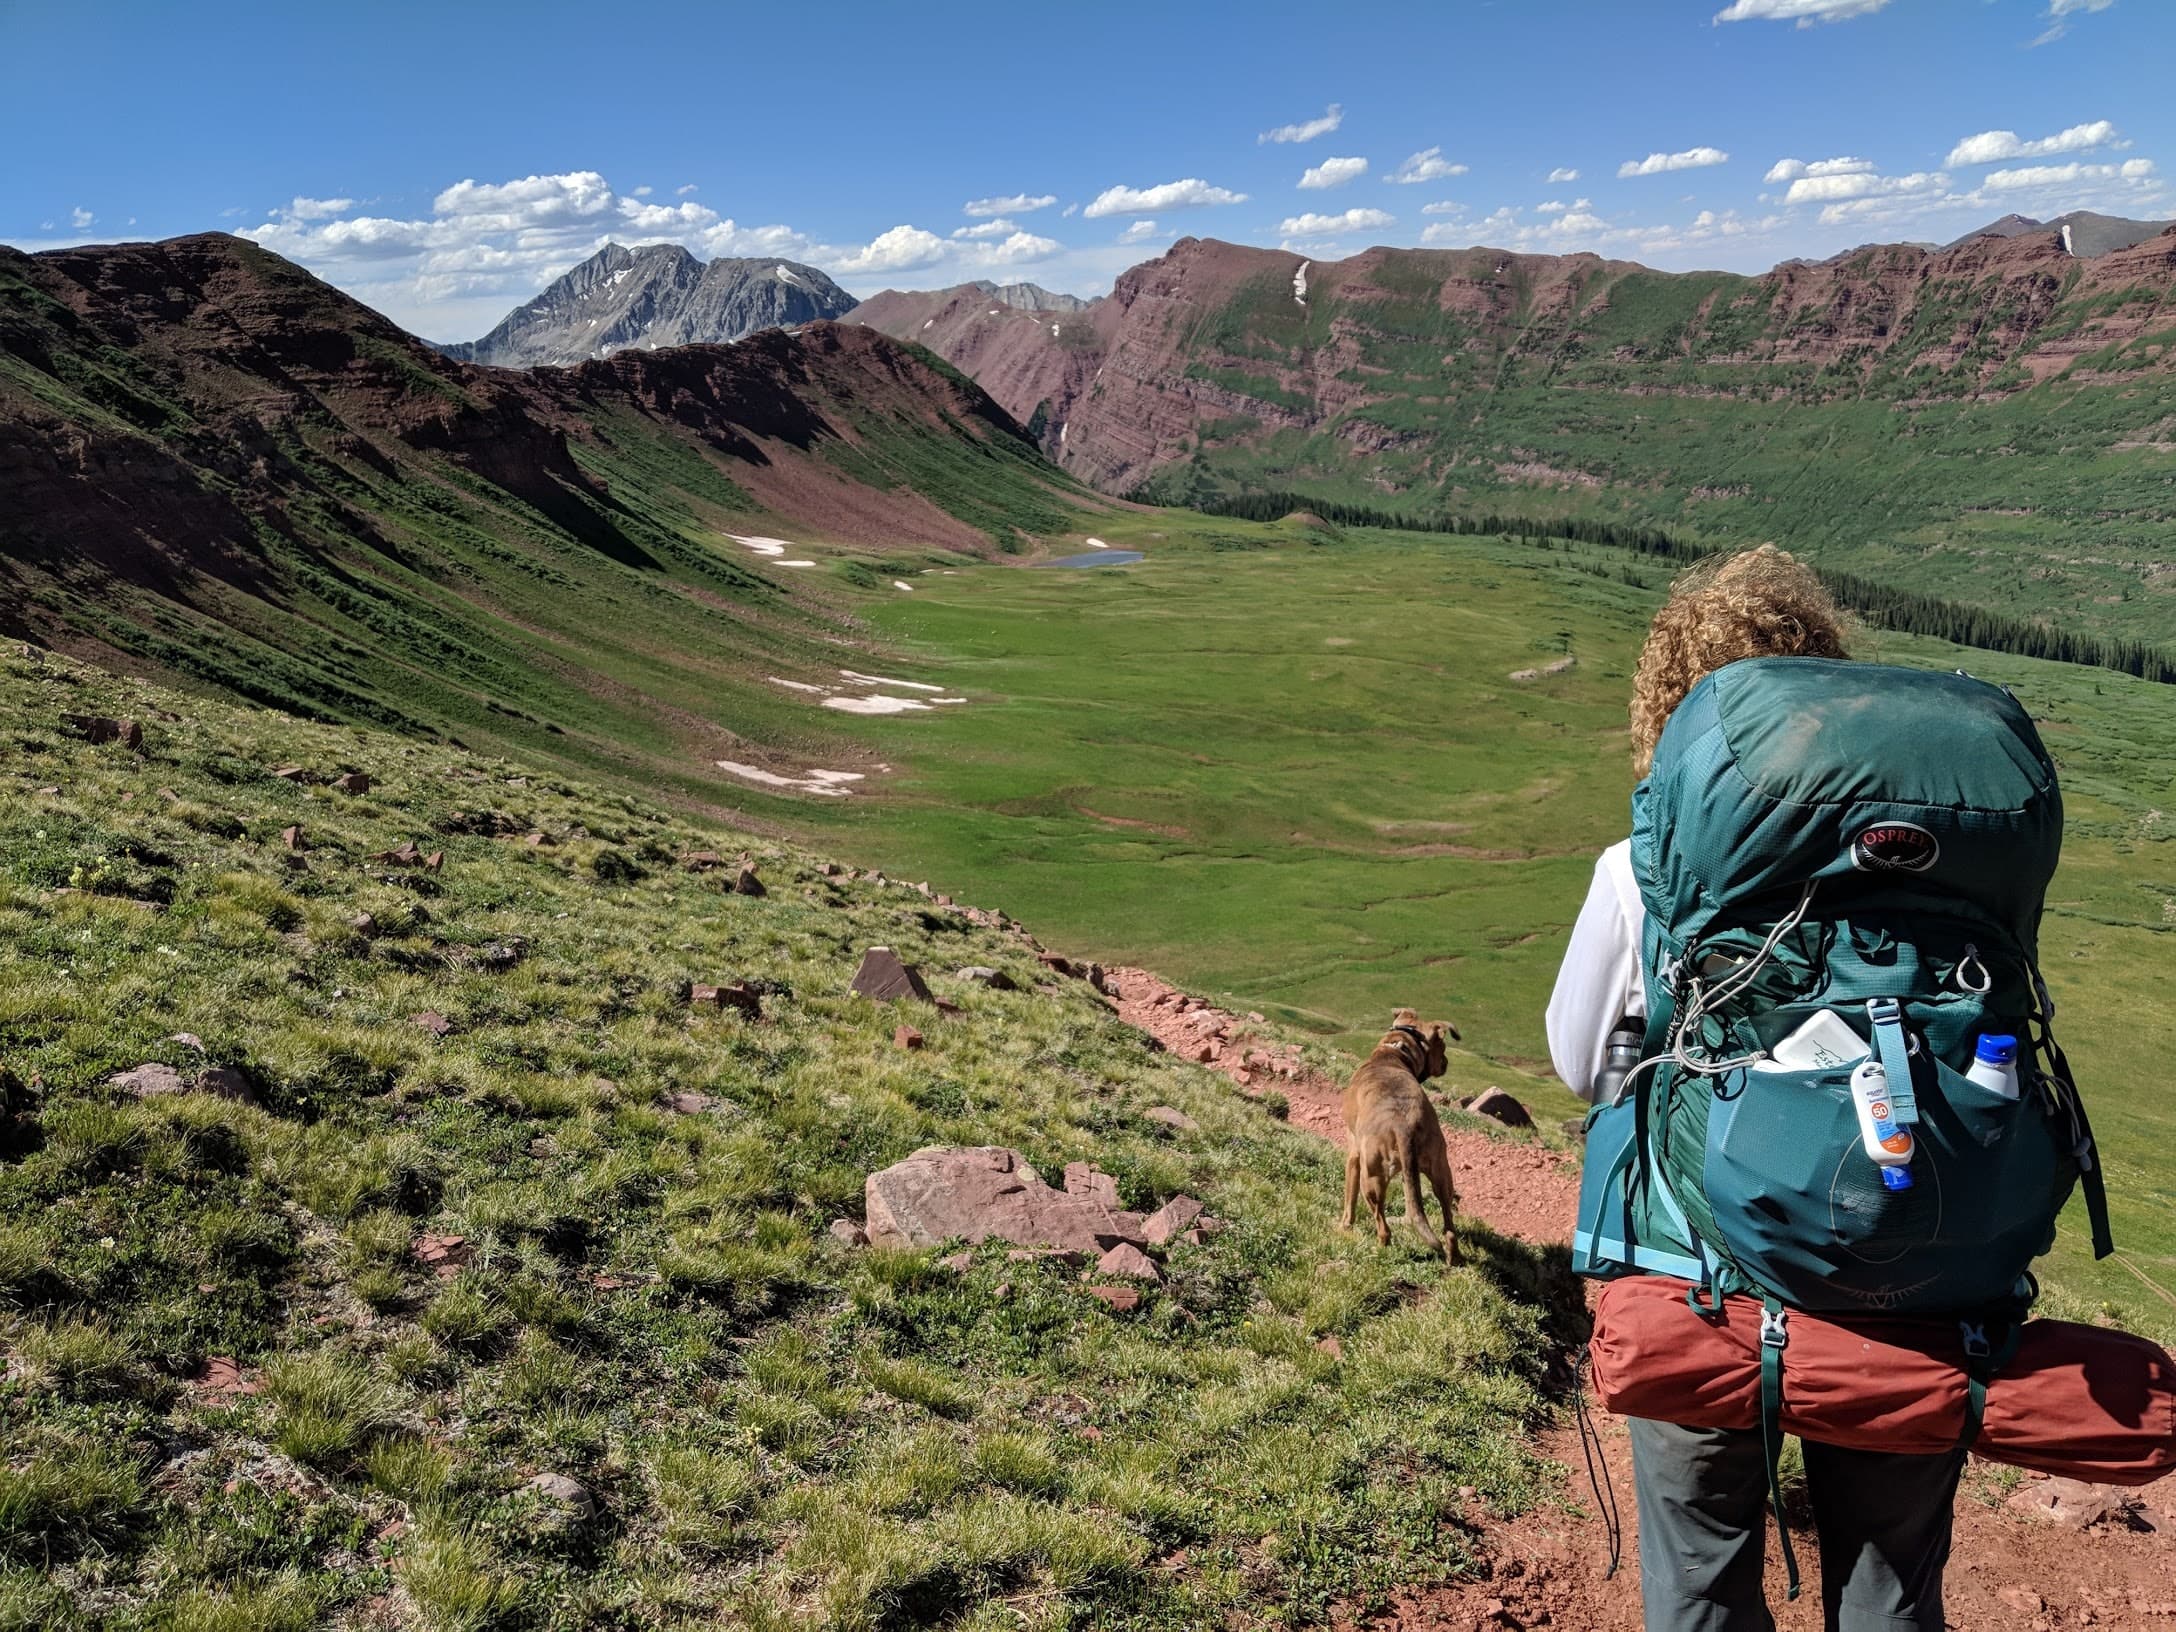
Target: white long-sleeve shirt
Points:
(1599, 983)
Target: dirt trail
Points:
(1549, 1568)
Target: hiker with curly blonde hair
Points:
(1883, 1518)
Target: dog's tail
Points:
(1409, 1149)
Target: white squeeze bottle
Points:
(1888, 1145)
(1994, 1065)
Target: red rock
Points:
(291, 773)
(848, 1233)
(906, 1037)
(981, 1193)
(1176, 1120)
(222, 1375)
(435, 861)
(1499, 1106)
(1205, 1053)
(1083, 1179)
(443, 1255)
(151, 1078)
(434, 1023)
(363, 923)
(1037, 1255)
(1331, 1347)
(292, 838)
(701, 861)
(883, 977)
(983, 975)
(748, 884)
(353, 782)
(694, 1104)
(1130, 1262)
(227, 1083)
(98, 728)
(2069, 1504)
(959, 1263)
(404, 854)
(1170, 1220)
(1123, 1301)
(733, 995)
(1245, 1079)
(2023, 1599)
(537, 841)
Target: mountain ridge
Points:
(656, 296)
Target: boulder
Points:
(733, 995)
(980, 1193)
(1129, 1262)
(292, 838)
(571, 1500)
(353, 782)
(701, 861)
(1171, 1117)
(1086, 1179)
(1170, 1221)
(847, 1233)
(1123, 1300)
(151, 1078)
(700, 1105)
(906, 1037)
(221, 1376)
(883, 977)
(434, 1023)
(747, 883)
(404, 854)
(1499, 1106)
(1331, 1347)
(226, 1082)
(434, 861)
(996, 980)
(2067, 1504)
(99, 728)
(290, 773)
(364, 923)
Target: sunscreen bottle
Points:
(1994, 1065)
(1889, 1146)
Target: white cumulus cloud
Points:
(1655, 164)
(1812, 189)
(1995, 146)
(1313, 225)
(1139, 233)
(1442, 206)
(313, 209)
(1191, 193)
(1792, 169)
(79, 218)
(1563, 173)
(683, 191)
(998, 228)
(1307, 129)
(1426, 165)
(1333, 173)
(1010, 204)
(1805, 13)
(2065, 175)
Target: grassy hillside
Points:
(1292, 764)
(777, 1430)
(223, 470)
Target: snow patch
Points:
(876, 705)
(785, 276)
(1053, 331)
(881, 680)
(793, 563)
(1097, 544)
(824, 784)
(762, 546)
(1299, 283)
(948, 699)
(798, 685)
(901, 583)
(927, 321)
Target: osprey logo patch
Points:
(1895, 847)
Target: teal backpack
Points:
(1876, 842)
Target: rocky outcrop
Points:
(981, 1193)
(652, 297)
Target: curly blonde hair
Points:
(1757, 603)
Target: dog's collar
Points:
(1419, 1037)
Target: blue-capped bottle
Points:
(1887, 1143)
(1994, 1065)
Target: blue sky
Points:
(445, 161)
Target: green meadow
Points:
(1290, 764)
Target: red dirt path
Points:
(1548, 1567)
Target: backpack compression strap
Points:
(1774, 1334)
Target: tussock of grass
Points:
(778, 1431)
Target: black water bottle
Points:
(1620, 1057)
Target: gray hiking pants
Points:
(1883, 1519)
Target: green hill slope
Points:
(776, 1430)
(222, 469)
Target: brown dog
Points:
(1391, 1127)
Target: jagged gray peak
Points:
(2084, 233)
(659, 295)
(1029, 297)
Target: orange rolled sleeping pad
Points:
(2081, 1401)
